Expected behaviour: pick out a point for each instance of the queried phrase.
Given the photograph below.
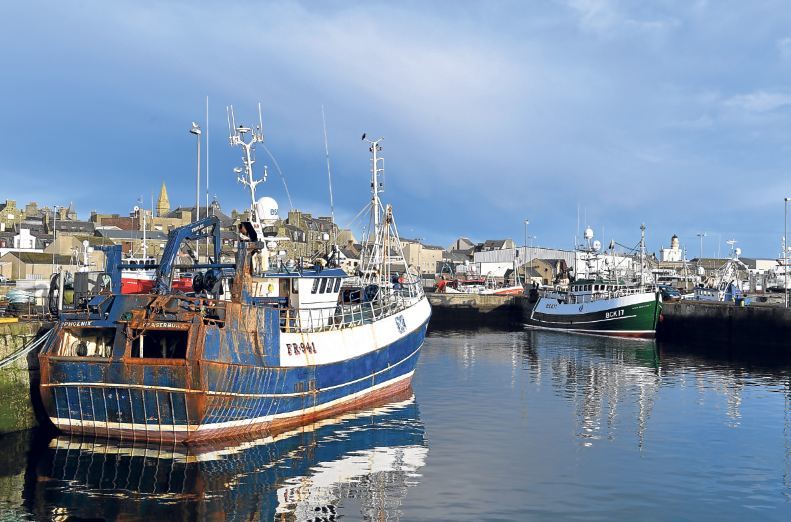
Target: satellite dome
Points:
(596, 245)
(266, 209)
(588, 233)
(738, 251)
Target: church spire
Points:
(163, 203)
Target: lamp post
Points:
(527, 222)
(419, 268)
(785, 250)
(197, 132)
(54, 233)
(701, 235)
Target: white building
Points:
(497, 262)
(672, 254)
(23, 242)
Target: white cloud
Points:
(784, 47)
(759, 101)
(608, 18)
(516, 100)
(595, 15)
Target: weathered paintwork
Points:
(230, 381)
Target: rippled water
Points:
(502, 426)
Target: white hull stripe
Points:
(585, 322)
(599, 305)
(230, 394)
(57, 421)
(591, 332)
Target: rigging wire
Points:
(282, 177)
(329, 176)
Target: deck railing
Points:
(598, 295)
(347, 315)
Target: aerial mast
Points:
(237, 138)
(642, 252)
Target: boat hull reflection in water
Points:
(371, 456)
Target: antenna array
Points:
(237, 138)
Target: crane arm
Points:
(206, 227)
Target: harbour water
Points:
(501, 425)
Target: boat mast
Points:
(379, 256)
(642, 252)
(236, 137)
(145, 245)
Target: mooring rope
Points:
(10, 359)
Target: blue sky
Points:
(672, 113)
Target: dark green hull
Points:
(630, 316)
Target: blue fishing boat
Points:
(260, 344)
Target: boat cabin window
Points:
(337, 284)
(159, 344)
(315, 286)
(323, 288)
(294, 286)
(87, 342)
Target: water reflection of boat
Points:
(372, 456)
(605, 384)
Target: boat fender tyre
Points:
(197, 282)
(52, 295)
(210, 279)
(370, 292)
(80, 348)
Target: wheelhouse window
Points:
(159, 344)
(323, 285)
(337, 284)
(87, 342)
(315, 286)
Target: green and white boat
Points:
(601, 306)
